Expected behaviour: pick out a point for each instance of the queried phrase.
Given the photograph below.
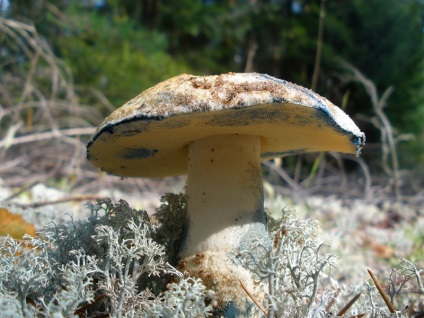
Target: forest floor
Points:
(363, 232)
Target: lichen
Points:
(109, 264)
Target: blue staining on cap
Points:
(139, 153)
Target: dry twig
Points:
(382, 293)
(253, 298)
(40, 108)
(63, 200)
(381, 121)
(346, 308)
(319, 46)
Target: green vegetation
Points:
(123, 47)
(119, 57)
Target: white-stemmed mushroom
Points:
(217, 129)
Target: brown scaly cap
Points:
(148, 136)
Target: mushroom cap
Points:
(149, 135)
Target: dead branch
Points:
(381, 122)
(63, 200)
(319, 46)
(47, 135)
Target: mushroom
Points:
(217, 129)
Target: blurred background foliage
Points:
(121, 47)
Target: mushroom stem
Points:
(225, 211)
(224, 193)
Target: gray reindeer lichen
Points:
(117, 264)
(293, 267)
(97, 267)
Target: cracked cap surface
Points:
(149, 135)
